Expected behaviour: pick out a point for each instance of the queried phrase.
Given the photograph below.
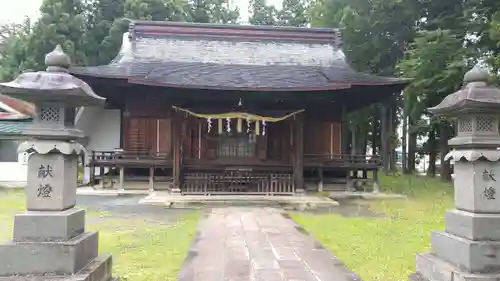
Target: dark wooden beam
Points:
(298, 152)
(176, 149)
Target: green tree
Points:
(214, 11)
(437, 61)
(375, 35)
(15, 55)
(261, 14)
(293, 13)
(494, 33)
(62, 22)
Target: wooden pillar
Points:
(176, 149)
(320, 183)
(122, 178)
(92, 170)
(348, 180)
(376, 187)
(298, 151)
(344, 135)
(101, 173)
(151, 179)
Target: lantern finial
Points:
(57, 60)
(476, 74)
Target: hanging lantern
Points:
(228, 129)
(220, 126)
(248, 125)
(263, 127)
(239, 125)
(209, 123)
(257, 127)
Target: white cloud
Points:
(16, 10)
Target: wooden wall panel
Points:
(286, 142)
(274, 143)
(314, 136)
(337, 134)
(262, 147)
(331, 136)
(165, 136)
(148, 134)
(322, 137)
(136, 134)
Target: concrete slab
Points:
(239, 243)
(110, 192)
(342, 195)
(287, 202)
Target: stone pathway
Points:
(258, 244)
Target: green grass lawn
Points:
(141, 250)
(385, 248)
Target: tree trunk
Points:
(412, 147)
(404, 139)
(384, 140)
(354, 139)
(432, 144)
(444, 136)
(392, 136)
(375, 131)
(363, 143)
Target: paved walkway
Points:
(259, 244)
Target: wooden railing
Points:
(343, 159)
(238, 182)
(105, 156)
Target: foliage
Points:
(294, 13)
(437, 62)
(262, 14)
(494, 32)
(384, 247)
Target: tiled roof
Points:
(15, 107)
(12, 127)
(233, 57)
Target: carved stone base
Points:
(468, 255)
(176, 191)
(97, 270)
(49, 226)
(68, 257)
(432, 268)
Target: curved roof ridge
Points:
(231, 56)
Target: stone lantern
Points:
(50, 238)
(469, 249)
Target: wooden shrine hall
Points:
(217, 109)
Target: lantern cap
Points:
(53, 86)
(475, 97)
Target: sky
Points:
(16, 10)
